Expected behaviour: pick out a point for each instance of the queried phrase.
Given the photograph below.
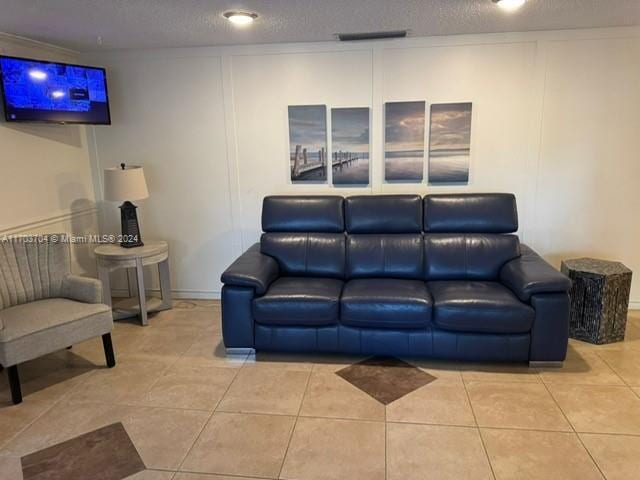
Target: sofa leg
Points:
(14, 382)
(541, 364)
(108, 350)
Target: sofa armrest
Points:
(82, 289)
(252, 269)
(530, 274)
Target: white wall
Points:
(554, 120)
(45, 181)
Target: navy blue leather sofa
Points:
(441, 276)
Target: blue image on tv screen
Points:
(53, 92)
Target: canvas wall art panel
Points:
(404, 141)
(449, 143)
(308, 143)
(350, 146)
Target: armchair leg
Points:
(14, 382)
(108, 350)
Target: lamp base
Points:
(130, 229)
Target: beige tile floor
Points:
(194, 414)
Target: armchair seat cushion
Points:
(386, 303)
(479, 307)
(37, 328)
(302, 301)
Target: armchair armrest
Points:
(530, 274)
(82, 289)
(252, 269)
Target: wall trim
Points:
(38, 223)
(36, 43)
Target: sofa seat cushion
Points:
(480, 307)
(299, 301)
(385, 303)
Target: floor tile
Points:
(125, 383)
(441, 402)
(152, 475)
(616, 455)
(584, 368)
(330, 449)
(208, 476)
(515, 405)
(10, 468)
(528, 455)
(241, 444)
(435, 452)
(107, 453)
(333, 362)
(162, 436)
(329, 395)
(385, 378)
(211, 351)
(14, 418)
(284, 361)
(265, 390)
(189, 386)
(625, 363)
(599, 409)
(499, 373)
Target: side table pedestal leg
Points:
(142, 300)
(165, 283)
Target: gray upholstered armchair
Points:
(43, 307)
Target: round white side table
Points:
(113, 257)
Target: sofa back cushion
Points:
(470, 213)
(306, 254)
(383, 214)
(305, 234)
(300, 213)
(384, 236)
(397, 255)
(467, 256)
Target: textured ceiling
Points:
(125, 24)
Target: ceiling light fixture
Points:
(240, 18)
(57, 94)
(509, 5)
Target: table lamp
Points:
(123, 184)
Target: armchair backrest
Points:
(467, 236)
(32, 268)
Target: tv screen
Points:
(41, 91)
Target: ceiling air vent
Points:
(353, 37)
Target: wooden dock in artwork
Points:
(301, 164)
(341, 159)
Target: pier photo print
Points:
(350, 146)
(308, 143)
(449, 143)
(404, 141)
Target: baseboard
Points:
(634, 305)
(178, 294)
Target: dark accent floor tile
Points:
(385, 378)
(104, 454)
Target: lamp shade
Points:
(125, 184)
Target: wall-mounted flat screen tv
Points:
(41, 91)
